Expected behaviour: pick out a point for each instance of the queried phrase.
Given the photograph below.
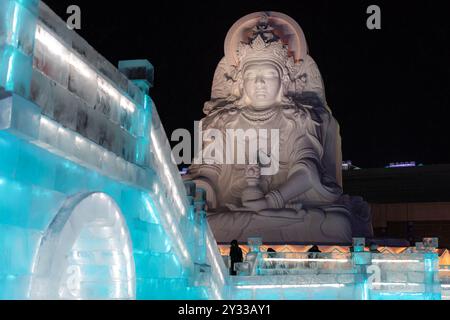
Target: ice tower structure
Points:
(91, 204)
(93, 207)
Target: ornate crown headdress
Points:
(265, 36)
(264, 44)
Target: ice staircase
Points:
(91, 204)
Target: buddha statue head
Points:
(262, 76)
(261, 85)
(266, 64)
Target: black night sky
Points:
(389, 89)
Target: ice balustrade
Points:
(444, 277)
(298, 263)
(365, 275)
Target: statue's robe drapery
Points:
(309, 216)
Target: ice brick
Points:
(13, 287)
(19, 115)
(51, 57)
(137, 69)
(42, 92)
(108, 98)
(82, 80)
(111, 73)
(150, 237)
(396, 277)
(18, 249)
(17, 24)
(54, 24)
(15, 70)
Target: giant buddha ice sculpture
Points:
(290, 191)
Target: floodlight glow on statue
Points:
(268, 81)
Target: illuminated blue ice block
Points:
(92, 205)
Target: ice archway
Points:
(86, 253)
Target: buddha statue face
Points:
(262, 85)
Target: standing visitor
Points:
(235, 256)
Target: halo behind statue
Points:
(304, 75)
(284, 27)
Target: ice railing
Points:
(414, 271)
(444, 277)
(406, 272)
(291, 263)
(354, 275)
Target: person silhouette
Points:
(235, 256)
(313, 253)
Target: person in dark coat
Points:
(313, 254)
(374, 248)
(235, 256)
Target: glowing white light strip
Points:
(50, 42)
(444, 270)
(13, 42)
(81, 67)
(306, 260)
(394, 261)
(445, 285)
(151, 210)
(175, 233)
(57, 48)
(10, 69)
(396, 284)
(215, 262)
(127, 104)
(15, 23)
(108, 88)
(168, 174)
(288, 286)
(401, 294)
(216, 291)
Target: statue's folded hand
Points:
(256, 205)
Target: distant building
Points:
(409, 202)
(347, 165)
(402, 164)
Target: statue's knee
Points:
(338, 226)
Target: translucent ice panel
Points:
(51, 57)
(15, 70)
(27, 206)
(150, 237)
(57, 61)
(13, 287)
(82, 80)
(137, 69)
(17, 24)
(108, 99)
(20, 116)
(166, 166)
(89, 223)
(18, 247)
(159, 265)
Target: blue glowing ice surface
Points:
(92, 206)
